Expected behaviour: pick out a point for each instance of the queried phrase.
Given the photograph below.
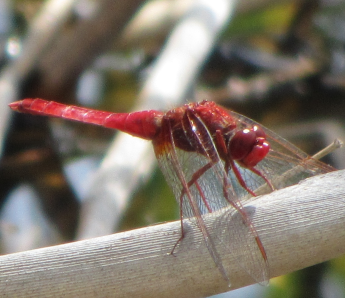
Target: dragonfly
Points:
(212, 158)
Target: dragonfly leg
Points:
(257, 172)
(239, 178)
(202, 195)
(182, 230)
(179, 240)
(194, 180)
(239, 208)
(229, 162)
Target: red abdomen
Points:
(144, 124)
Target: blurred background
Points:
(281, 63)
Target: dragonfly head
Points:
(249, 146)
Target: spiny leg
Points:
(182, 230)
(208, 207)
(239, 208)
(194, 179)
(257, 172)
(229, 162)
(236, 204)
(239, 178)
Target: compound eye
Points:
(259, 132)
(242, 143)
(249, 146)
(257, 154)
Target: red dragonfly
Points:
(212, 158)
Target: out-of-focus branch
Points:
(239, 89)
(40, 33)
(300, 226)
(156, 19)
(72, 52)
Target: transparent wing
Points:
(202, 186)
(209, 188)
(175, 165)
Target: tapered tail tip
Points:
(15, 106)
(23, 106)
